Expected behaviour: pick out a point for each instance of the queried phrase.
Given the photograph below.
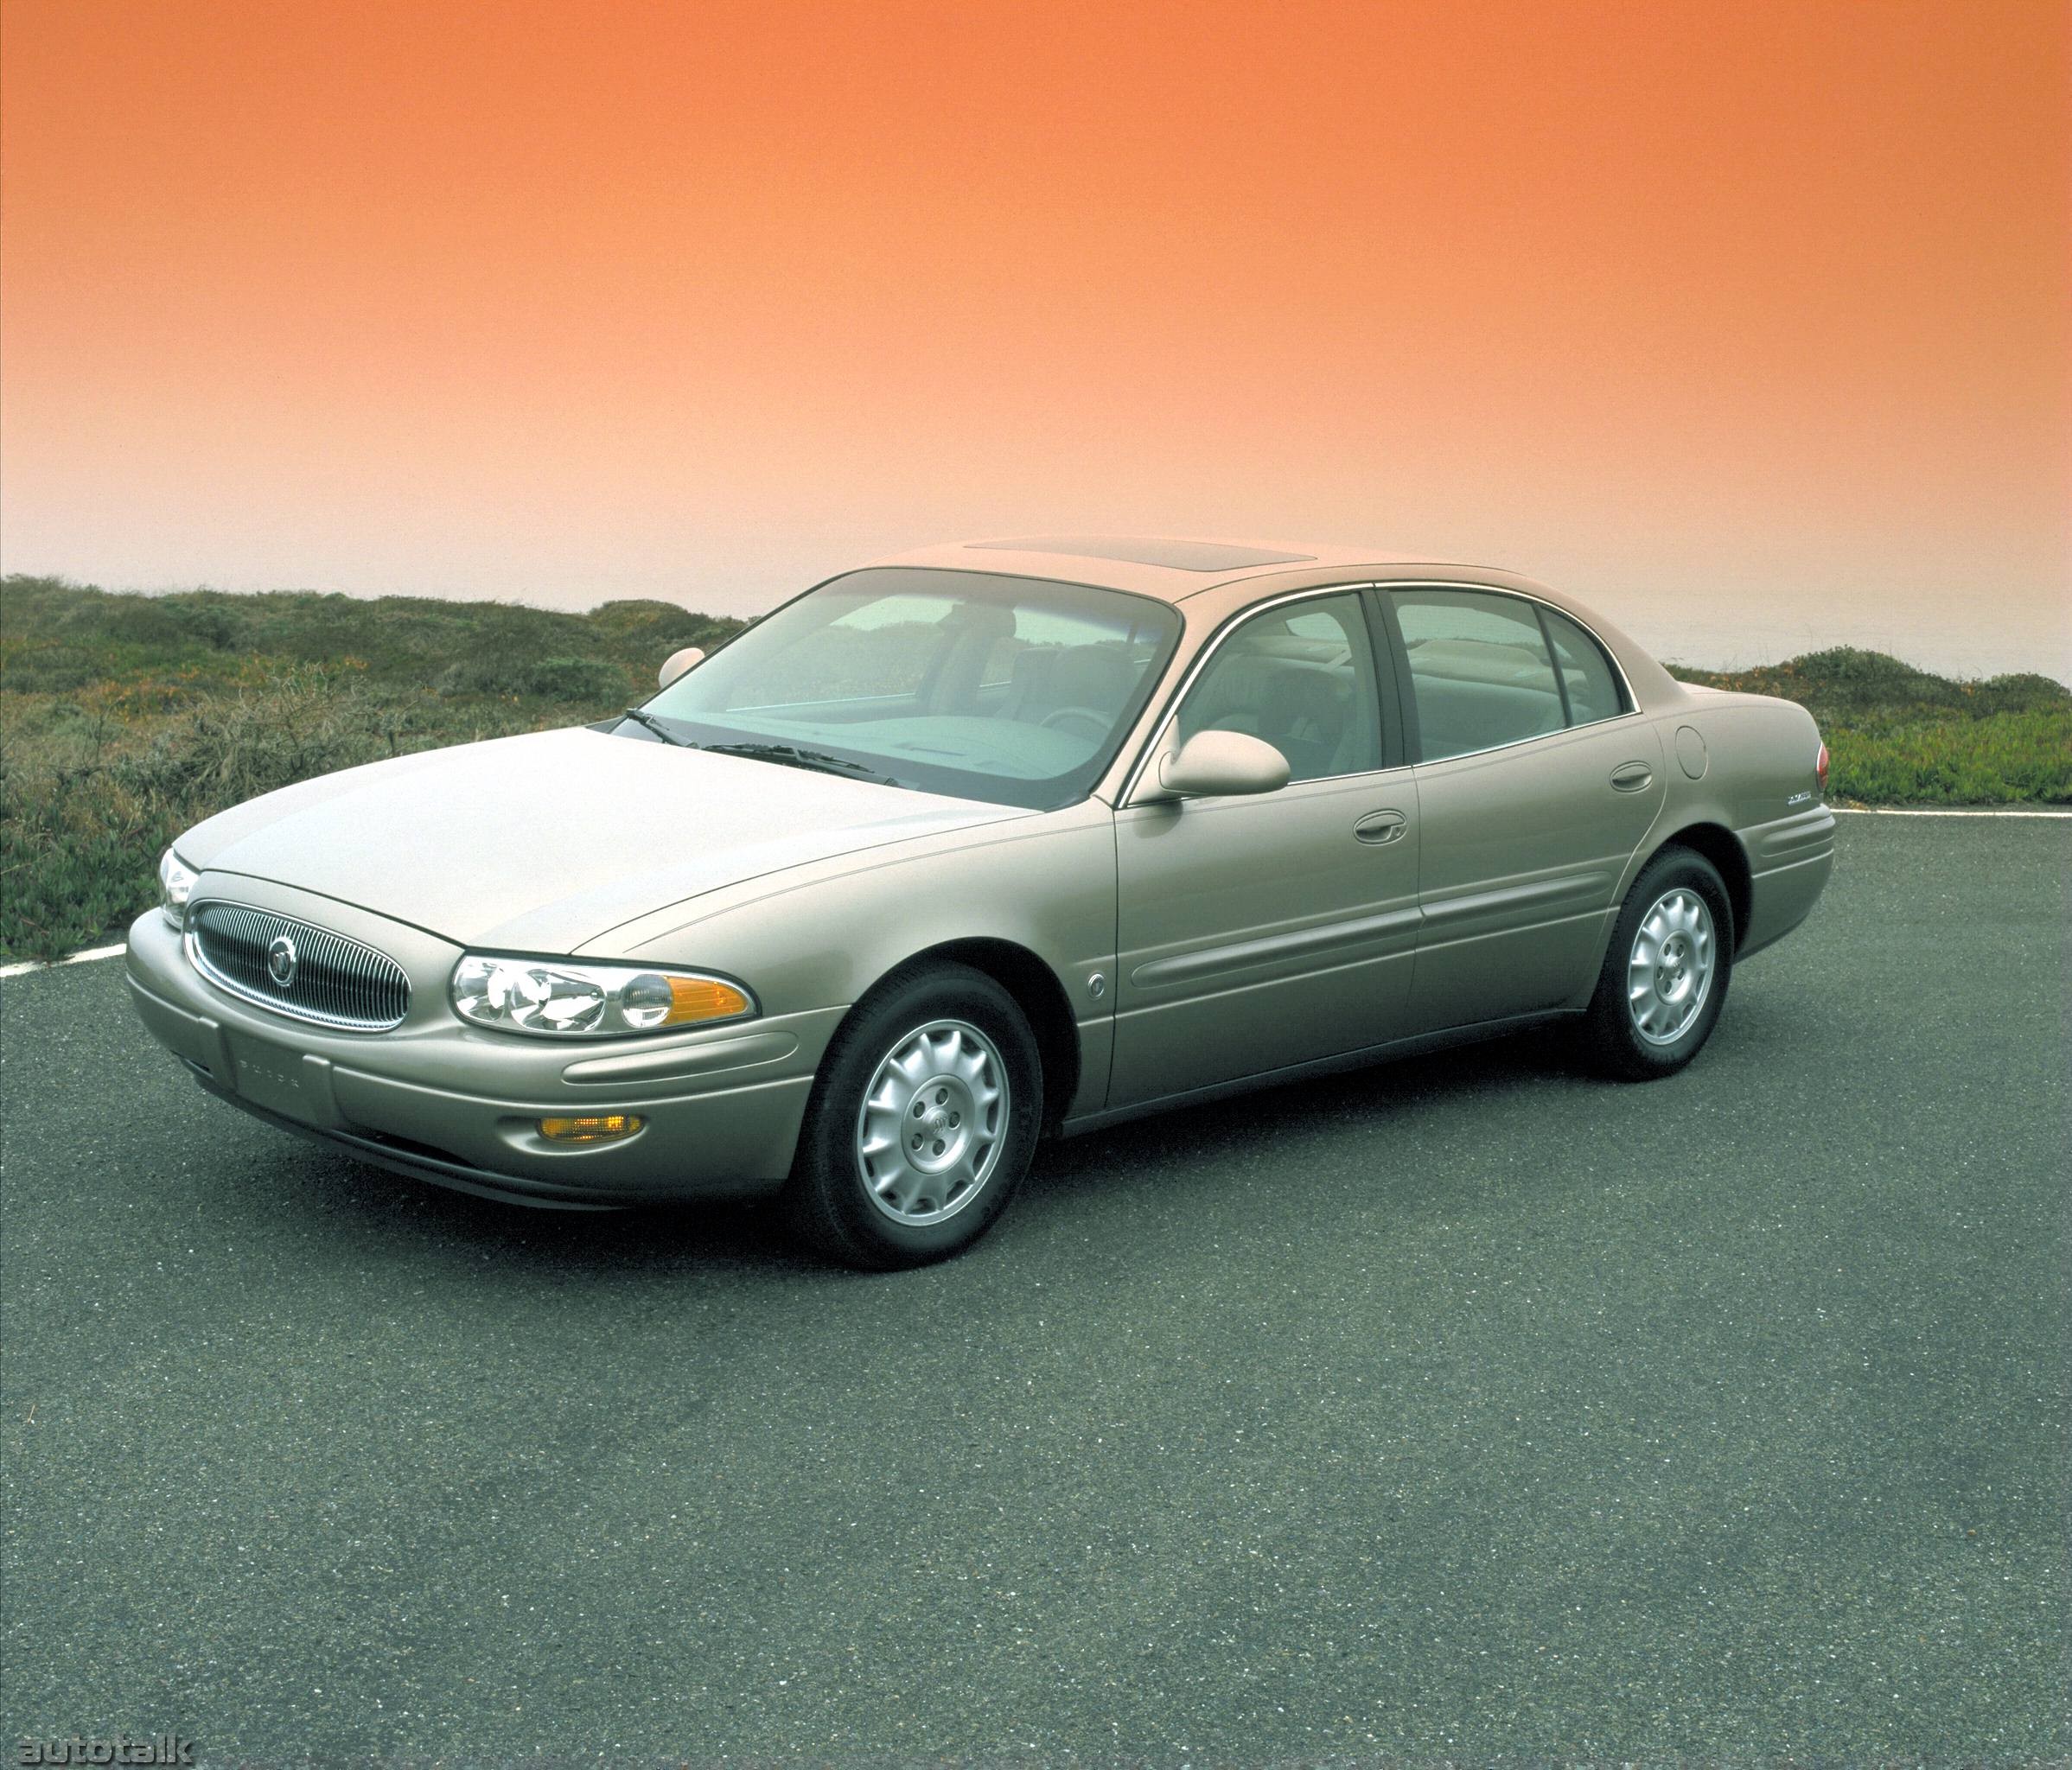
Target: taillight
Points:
(1820, 769)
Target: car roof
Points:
(1168, 568)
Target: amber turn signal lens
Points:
(703, 999)
(600, 1129)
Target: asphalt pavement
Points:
(1466, 1408)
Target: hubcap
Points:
(1670, 973)
(934, 1122)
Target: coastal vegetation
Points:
(125, 719)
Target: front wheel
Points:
(1666, 972)
(922, 1122)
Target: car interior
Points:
(1483, 676)
(963, 684)
(1474, 695)
(1300, 681)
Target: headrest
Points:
(1092, 676)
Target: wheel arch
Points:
(1720, 845)
(1037, 992)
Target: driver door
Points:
(1262, 932)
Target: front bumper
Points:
(459, 1105)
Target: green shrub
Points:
(1898, 736)
(222, 753)
(136, 620)
(207, 621)
(125, 719)
(578, 681)
(79, 844)
(1845, 683)
(48, 669)
(2022, 758)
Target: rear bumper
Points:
(1790, 862)
(458, 1106)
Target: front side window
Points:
(1480, 670)
(1010, 690)
(1301, 677)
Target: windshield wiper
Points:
(791, 756)
(788, 755)
(641, 717)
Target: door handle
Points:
(1378, 827)
(1631, 777)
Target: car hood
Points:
(540, 843)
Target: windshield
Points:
(1011, 690)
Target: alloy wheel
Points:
(934, 1122)
(1669, 974)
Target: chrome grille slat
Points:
(337, 982)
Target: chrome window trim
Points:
(1126, 800)
(1518, 742)
(190, 942)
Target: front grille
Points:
(330, 979)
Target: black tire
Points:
(1614, 1041)
(828, 1200)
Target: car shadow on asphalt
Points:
(1184, 1156)
(1350, 1100)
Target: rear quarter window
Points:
(1593, 687)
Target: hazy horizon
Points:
(1749, 330)
(1769, 625)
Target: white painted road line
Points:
(1908, 812)
(116, 952)
(85, 958)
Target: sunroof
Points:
(1180, 556)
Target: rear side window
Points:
(1586, 674)
(1480, 670)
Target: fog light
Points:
(602, 1128)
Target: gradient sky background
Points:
(1747, 323)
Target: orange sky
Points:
(1747, 322)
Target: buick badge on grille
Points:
(280, 961)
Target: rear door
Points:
(1262, 932)
(1536, 781)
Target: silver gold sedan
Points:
(983, 844)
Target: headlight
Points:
(560, 998)
(176, 883)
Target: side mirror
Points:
(1220, 765)
(680, 662)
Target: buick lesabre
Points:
(986, 843)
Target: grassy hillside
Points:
(1900, 736)
(124, 719)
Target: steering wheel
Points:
(1058, 718)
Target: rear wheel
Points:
(1665, 977)
(922, 1122)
